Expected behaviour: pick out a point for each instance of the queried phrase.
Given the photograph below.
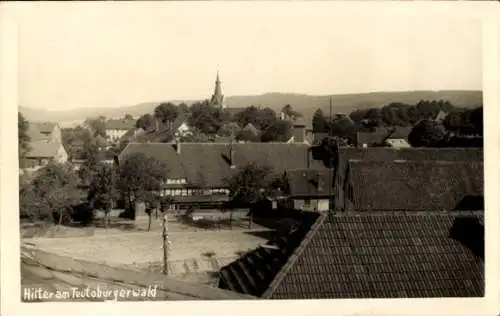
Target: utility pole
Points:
(330, 199)
(165, 242)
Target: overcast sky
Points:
(102, 54)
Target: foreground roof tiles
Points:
(390, 255)
(252, 273)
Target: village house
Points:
(197, 171)
(116, 128)
(45, 131)
(310, 189)
(396, 137)
(45, 146)
(43, 152)
(299, 133)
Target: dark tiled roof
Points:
(160, 151)
(416, 154)
(120, 124)
(310, 182)
(253, 273)
(279, 156)
(415, 185)
(382, 133)
(208, 164)
(385, 256)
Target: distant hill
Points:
(306, 104)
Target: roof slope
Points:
(279, 156)
(253, 273)
(159, 151)
(208, 164)
(416, 185)
(387, 154)
(42, 149)
(44, 127)
(386, 256)
(310, 182)
(52, 272)
(35, 131)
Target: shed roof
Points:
(416, 185)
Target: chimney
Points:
(177, 145)
(232, 160)
(299, 133)
(321, 183)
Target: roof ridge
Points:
(294, 257)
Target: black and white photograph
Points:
(210, 151)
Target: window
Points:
(307, 202)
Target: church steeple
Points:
(217, 97)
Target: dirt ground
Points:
(146, 247)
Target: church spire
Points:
(217, 97)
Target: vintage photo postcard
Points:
(310, 156)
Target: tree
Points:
(279, 131)
(97, 126)
(476, 118)
(93, 151)
(427, 133)
(260, 118)
(128, 117)
(249, 185)
(140, 176)
(166, 112)
(290, 112)
(52, 193)
(145, 122)
(183, 108)
(103, 190)
(23, 137)
(205, 117)
(319, 122)
(329, 148)
(344, 128)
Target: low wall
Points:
(116, 274)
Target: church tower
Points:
(217, 98)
